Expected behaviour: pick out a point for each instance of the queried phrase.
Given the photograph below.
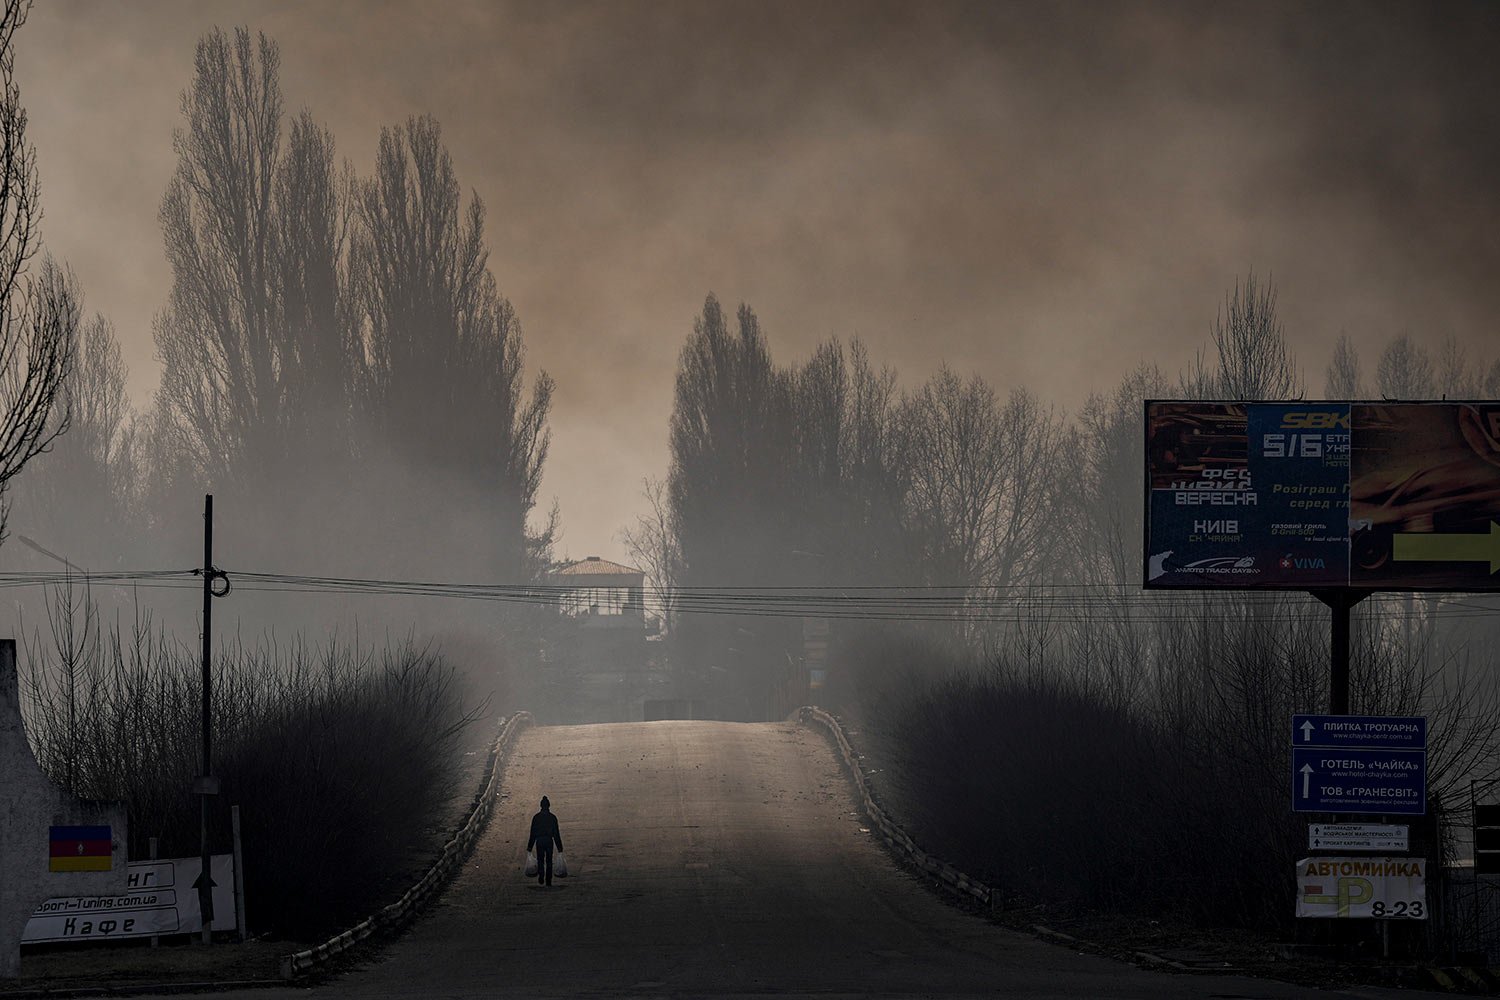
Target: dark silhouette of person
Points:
(544, 834)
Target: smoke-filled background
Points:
(1045, 195)
(774, 302)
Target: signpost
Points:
(1359, 764)
(1360, 732)
(1382, 838)
(1359, 781)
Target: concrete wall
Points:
(32, 805)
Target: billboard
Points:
(1306, 495)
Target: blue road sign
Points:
(1360, 732)
(1340, 780)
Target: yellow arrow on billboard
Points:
(1449, 548)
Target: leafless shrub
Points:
(340, 756)
(1153, 777)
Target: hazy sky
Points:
(1044, 194)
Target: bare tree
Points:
(652, 543)
(1343, 378)
(1457, 378)
(220, 368)
(257, 341)
(38, 334)
(445, 376)
(39, 312)
(1255, 361)
(316, 328)
(956, 455)
(981, 480)
(86, 487)
(1405, 370)
(843, 472)
(733, 456)
(730, 439)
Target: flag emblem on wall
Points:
(81, 849)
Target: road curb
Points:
(138, 989)
(453, 855)
(955, 881)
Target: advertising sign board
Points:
(1382, 837)
(162, 899)
(1367, 732)
(1424, 499)
(1383, 888)
(1359, 781)
(1381, 496)
(1359, 764)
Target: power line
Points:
(1097, 604)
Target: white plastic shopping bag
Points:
(530, 864)
(560, 866)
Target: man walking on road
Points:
(544, 834)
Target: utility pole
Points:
(205, 883)
(207, 785)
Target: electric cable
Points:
(1094, 604)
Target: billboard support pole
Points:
(1340, 601)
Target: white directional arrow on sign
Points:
(1307, 771)
(1307, 731)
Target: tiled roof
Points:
(594, 566)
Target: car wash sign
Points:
(1379, 888)
(1306, 495)
(1359, 764)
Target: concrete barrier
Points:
(453, 855)
(948, 876)
(39, 825)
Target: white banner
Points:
(162, 899)
(1382, 888)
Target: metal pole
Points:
(205, 881)
(1338, 672)
(239, 874)
(155, 939)
(1340, 601)
(208, 611)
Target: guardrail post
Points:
(890, 832)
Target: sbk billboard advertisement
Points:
(1381, 496)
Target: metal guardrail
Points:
(454, 852)
(950, 877)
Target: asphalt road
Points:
(719, 860)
